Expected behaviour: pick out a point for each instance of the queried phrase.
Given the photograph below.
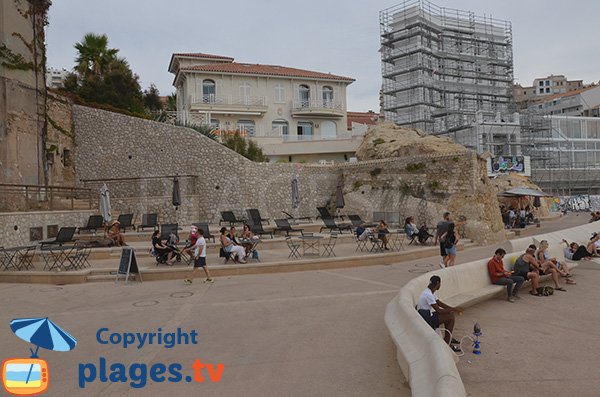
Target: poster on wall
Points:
(505, 164)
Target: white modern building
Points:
(583, 102)
(56, 77)
(293, 114)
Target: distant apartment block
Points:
(545, 86)
(56, 77)
(293, 114)
(582, 102)
(442, 66)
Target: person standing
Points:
(500, 276)
(199, 259)
(450, 240)
(440, 230)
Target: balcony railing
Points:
(316, 104)
(16, 198)
(229, 100)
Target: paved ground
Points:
(314, 333)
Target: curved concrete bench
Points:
(424, 358)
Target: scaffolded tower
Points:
(440, 66)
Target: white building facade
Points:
(293, 114)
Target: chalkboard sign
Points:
(128, 264)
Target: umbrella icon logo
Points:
(30, 376)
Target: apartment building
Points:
(542, 87)
(55, 77)
(293, 114)
(583, 102)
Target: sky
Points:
(339, 37)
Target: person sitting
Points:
(410, 228)
(114, 233)
(500, 276)
(528, 263)
(161, 249)
(424, 234)
(362, 232)
(436, 312)
(561, 267)
(382, 233)
(230, 247)
(248, 239)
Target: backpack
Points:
(545, 290)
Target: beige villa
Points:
(293, 114)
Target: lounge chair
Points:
(148, 220)
(324, 213)
(284, 226)
(254, 215)
(167, 229)
(357, 221)
(229, 217)
(291, 218)
(204, 227)
(257, 228)
(93, 224)
(65, 235)
(125, 221)
(331, 225)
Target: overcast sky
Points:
(336, 36)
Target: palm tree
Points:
(94, 55)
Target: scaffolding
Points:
(441, 66)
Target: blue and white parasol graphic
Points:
(42, 333)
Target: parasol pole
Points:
(33, 355)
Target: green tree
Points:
(171, 102)
(248, 149)
(152, 98)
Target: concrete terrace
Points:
(311, 333)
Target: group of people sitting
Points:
(381, 230)
(514, 218)
(239, 250)
(595, 216)
(421, 234)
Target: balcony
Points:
(317, 108)
(229, 104)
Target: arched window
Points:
(328, 129)
(209, 90)
(280, 128)
(304, 96)
(246, 127)
(327, 96)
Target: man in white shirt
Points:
(199, 259)
(436, 312)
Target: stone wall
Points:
(138, 159)
(15, 226)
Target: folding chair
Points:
(148, 220)
(294, 247)
(94, 223)
(330, 245)
(376, 243)
(361, 244)
(397, 242)
(125, 221)
(283, 225)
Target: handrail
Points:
(21, 198)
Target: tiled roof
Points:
(547, 98)
(201, 55)
(269, 70)
(368, 118)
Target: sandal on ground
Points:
(534, 293)
(571, 281)
(560, 289)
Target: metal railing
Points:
(21, 198)
(229, 100)
(317, 104)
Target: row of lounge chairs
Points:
(96, 222)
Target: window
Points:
(547, 82)
(327, 96)
(244, 93)
(279, 128)
(246, 126)
(547, 90)
(208, 91)
(541, 83)
(541, 90)
(214, 123)
(305, 130)
(279, 93)
(304, 96)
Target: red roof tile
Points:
(368, 118)
(201, 55)
(547, 98)
(270, 70)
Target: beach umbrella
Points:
(176, 193)
(295, 193)
(105, 204)
(43, 333)
(537, 202)
(339, 197)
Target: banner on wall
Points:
(504, 164)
